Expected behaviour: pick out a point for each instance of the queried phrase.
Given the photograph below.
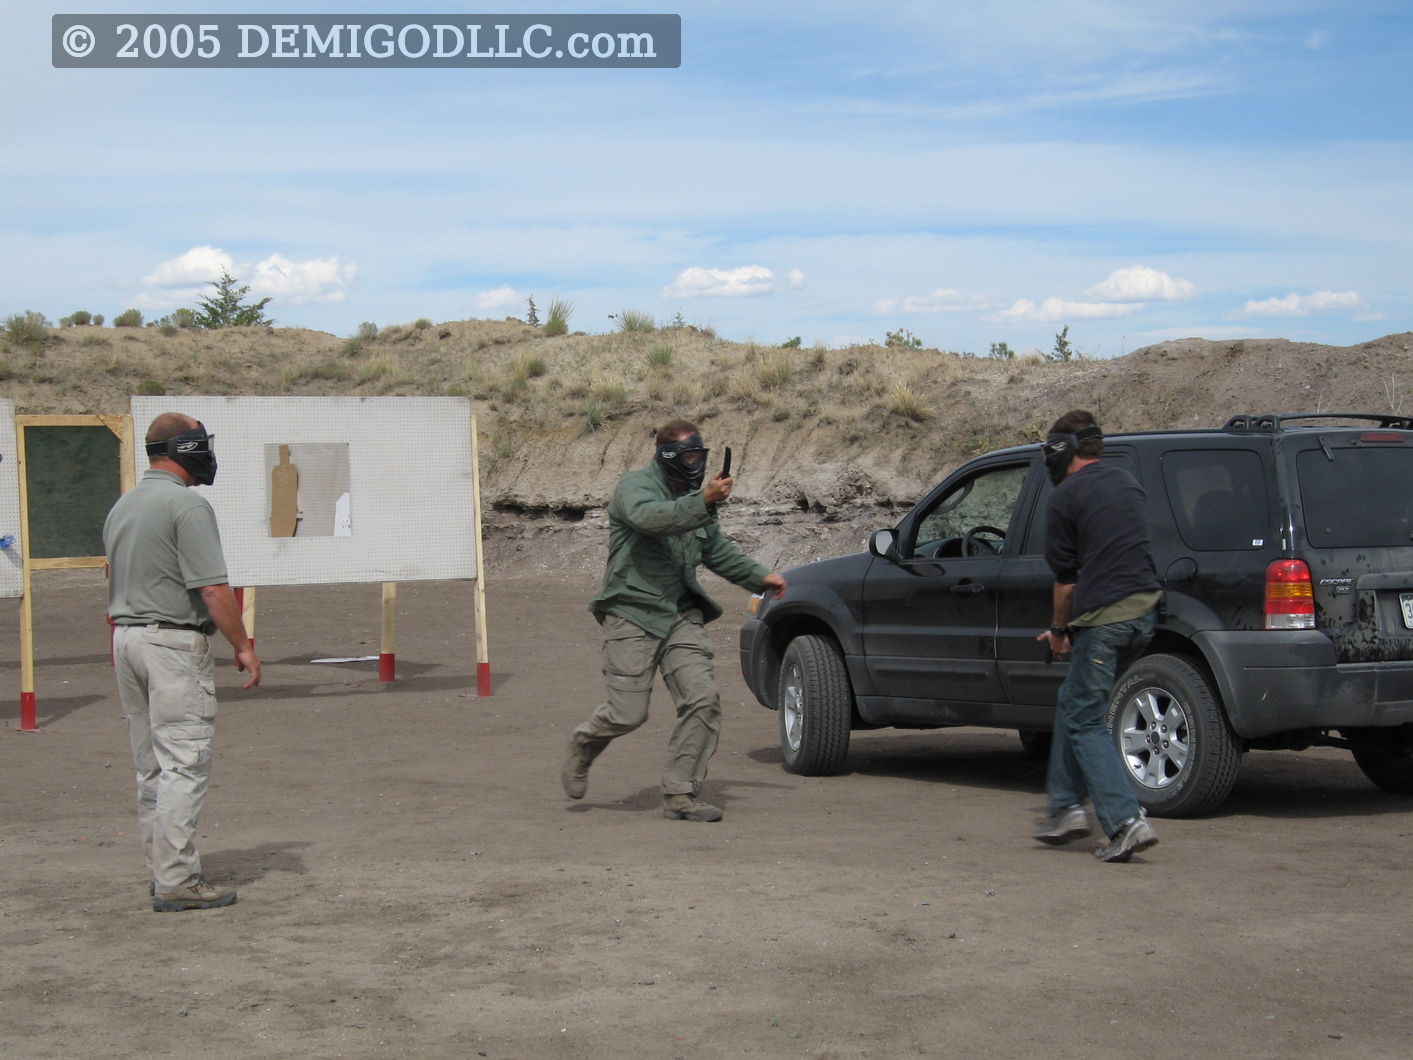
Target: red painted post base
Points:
(483, 679)
(387, 666)
(28, 713)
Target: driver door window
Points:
(972, 519)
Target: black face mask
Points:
(1060, 449)
(193, 450)
(684, 462)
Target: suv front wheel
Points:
(815, 704)
(1168, 724)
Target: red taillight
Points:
(1381, 436)
(1290, 595)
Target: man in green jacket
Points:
(662, 526)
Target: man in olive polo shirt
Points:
(167, 591)
(662, 526)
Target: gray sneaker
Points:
(198, 895)
(1128, 839)
(1063, 826)
(687, 808)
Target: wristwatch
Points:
(1059, 631)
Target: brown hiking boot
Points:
(687, 808)
(575, 774)
(198, 895)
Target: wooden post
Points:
(245, 597)
(387, 658)
(483, 657)
(28, 707)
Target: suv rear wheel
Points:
(1170, 730)
(815, 707)
(1386, 757)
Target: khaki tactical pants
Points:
(631, 659)
(166, 682)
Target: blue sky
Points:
(974, 172)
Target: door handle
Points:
(967, 589)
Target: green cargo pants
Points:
(632, 658)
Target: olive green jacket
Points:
(656, 541)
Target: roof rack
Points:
(1277, 421)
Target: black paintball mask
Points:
(1061, 448)
(193, 450)
(684, 462)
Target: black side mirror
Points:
(884, 544)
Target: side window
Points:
(1034, 543)
(1218, 498)
(986, 500)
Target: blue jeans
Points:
(1084, 762)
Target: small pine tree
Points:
(533, 316)
(224, 309)
(1063, 351)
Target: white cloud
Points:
(198, 265)
(1057, 309)
(184, 279)
(942, 300)
(301, 282)
(1139, 283)
(501, 298)
(795, 279)
(746, 281)
(1302, 305)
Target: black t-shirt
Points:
(1096, 537)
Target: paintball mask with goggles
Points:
(1061, 448)
(683, 461)
(193, 450)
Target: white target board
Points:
(11, 558)
(313, 491)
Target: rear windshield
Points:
(1356, 498)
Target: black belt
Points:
(208, 630)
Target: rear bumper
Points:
(1282, 681)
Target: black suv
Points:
(1285, 548)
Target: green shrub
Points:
(352, 347)
(557, 322)
(27, 328)
(631, 320)
(595, 416)
(151, 388)
(81, 317)
(421, 323)
(792, 343)
(128, 318)
(168, 328)
(904, 338)
(97, 320)
(368, 331)
(660, 356)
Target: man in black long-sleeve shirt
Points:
(1106, 589)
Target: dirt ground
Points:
(414, 884)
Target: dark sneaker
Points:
(1062, 827)
(687, 808)
(198, 895)
(1129, 838)
(575, 774)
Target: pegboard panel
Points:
(11, 559)
(381, 486)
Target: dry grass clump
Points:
(907, 404)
